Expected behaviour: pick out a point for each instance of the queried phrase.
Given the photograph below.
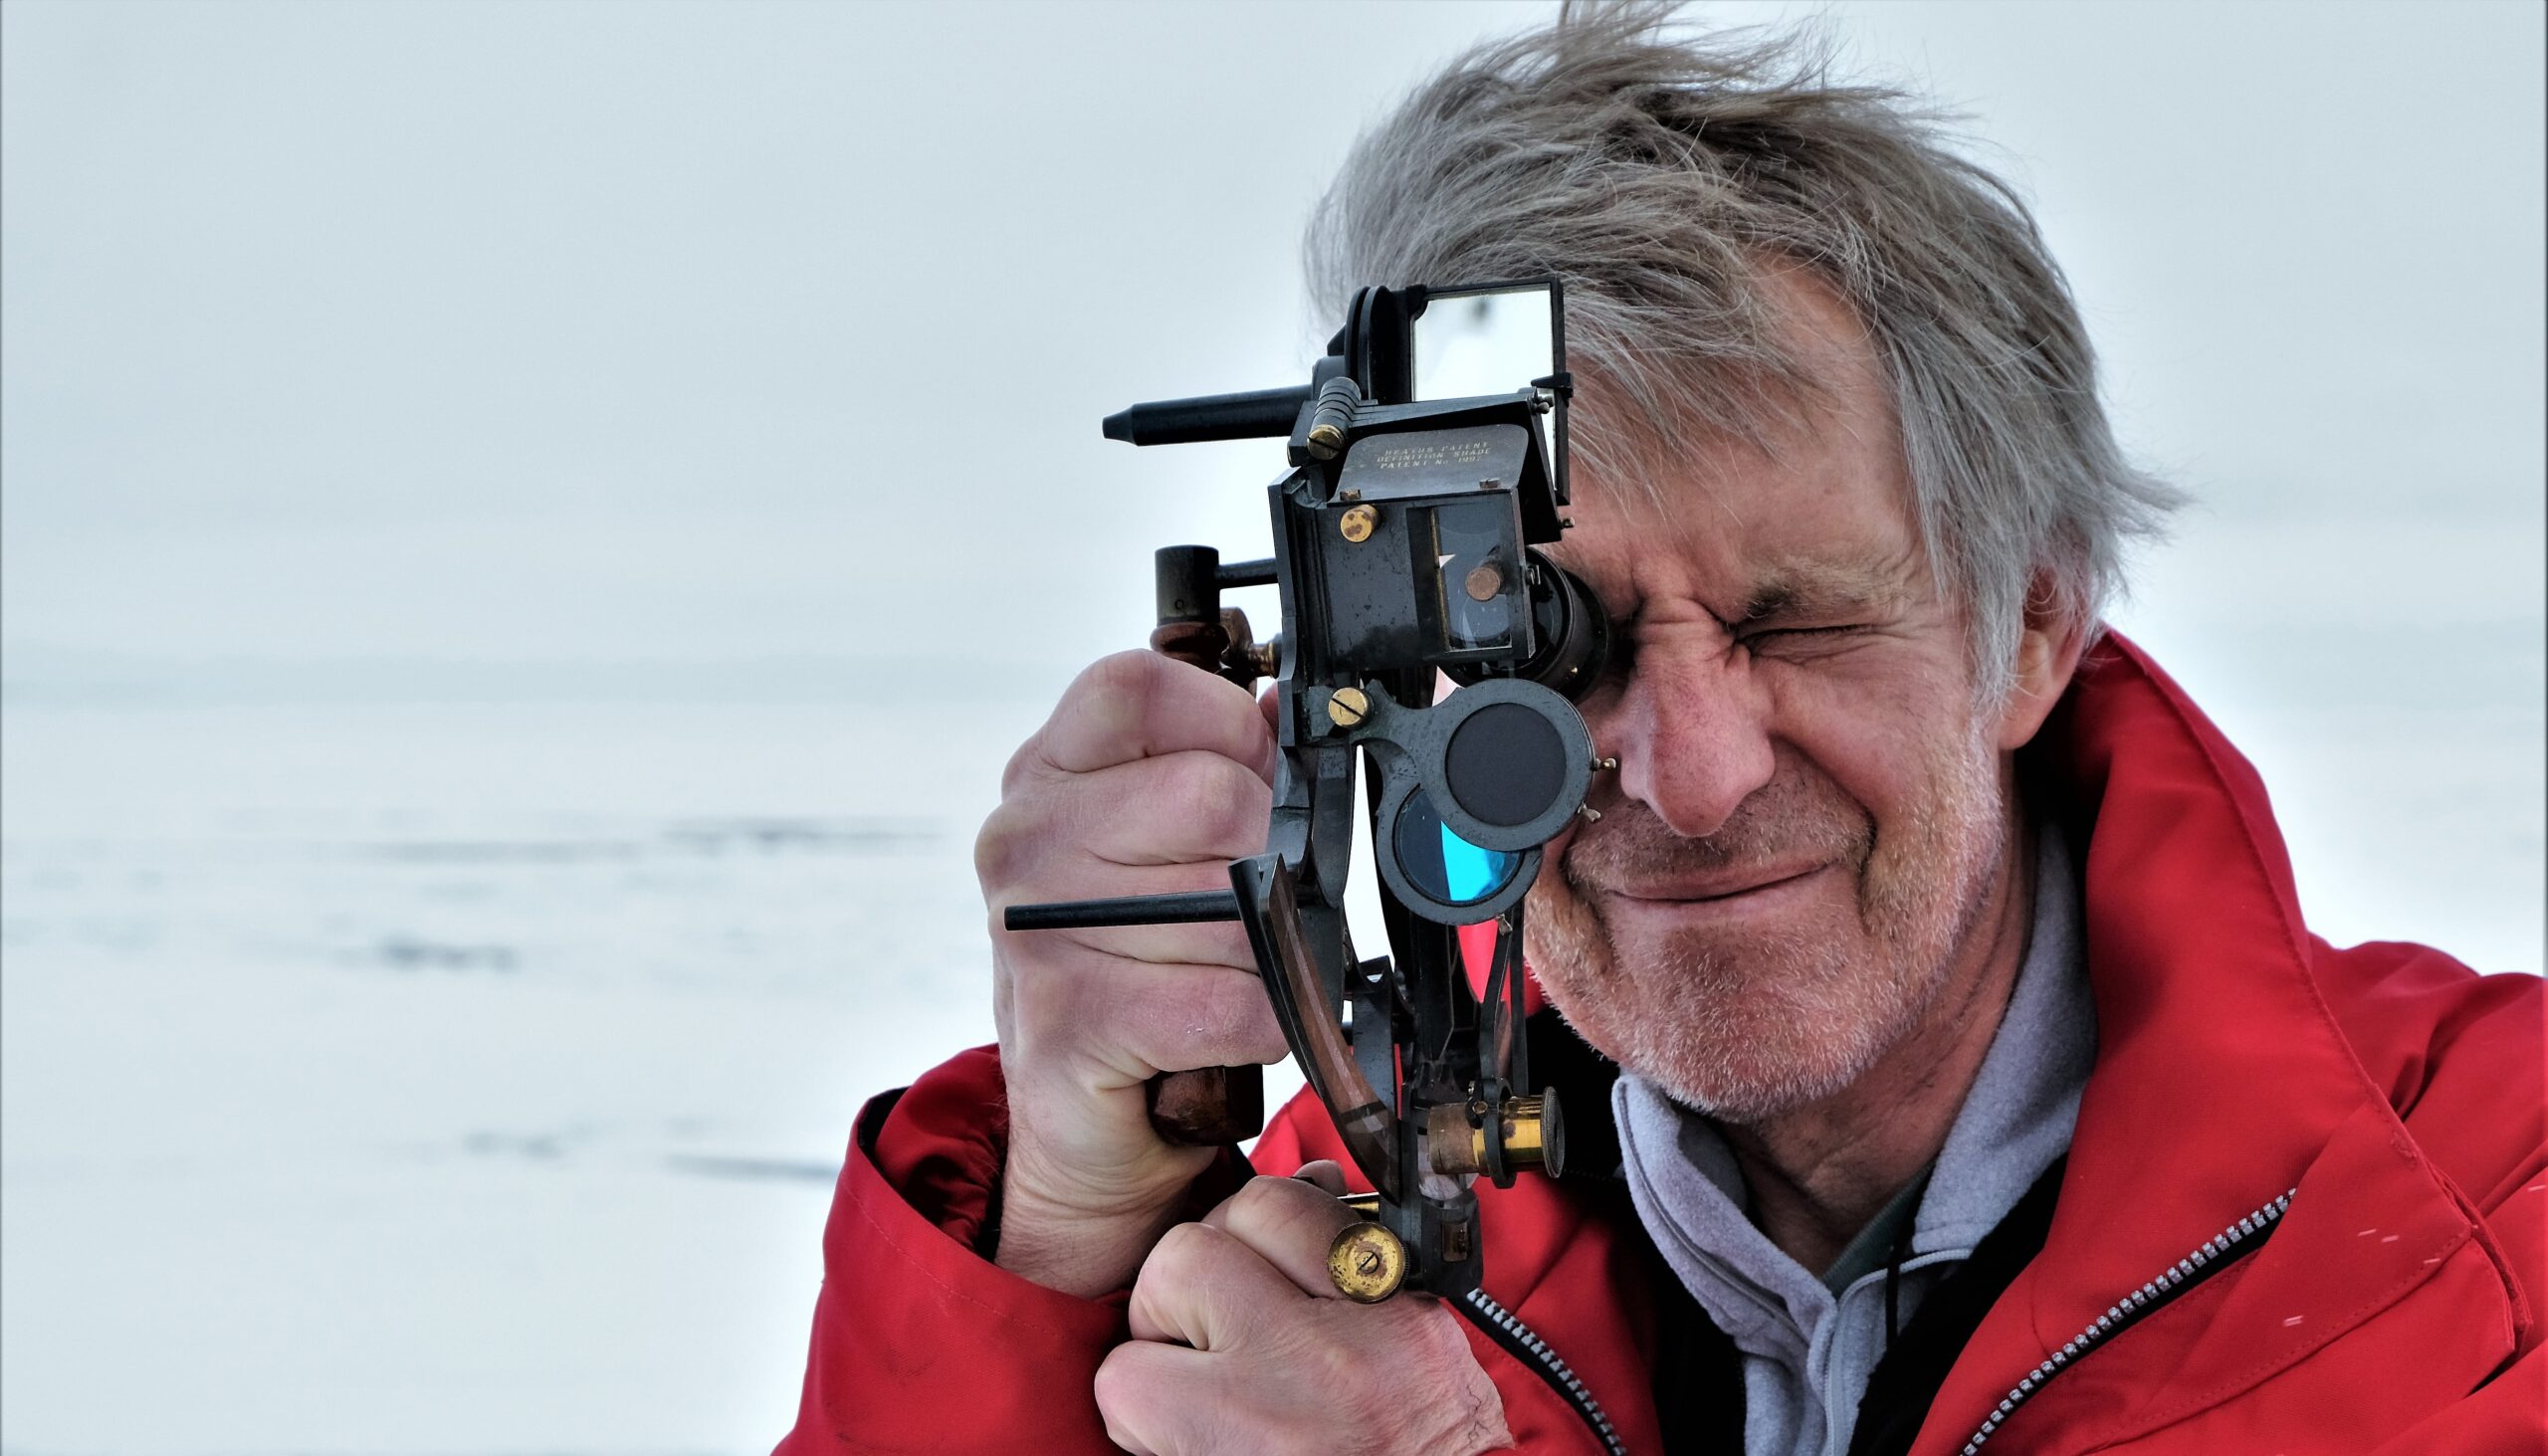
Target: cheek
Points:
(1876, 729)
(1563, 942)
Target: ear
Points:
(2048, 650)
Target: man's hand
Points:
(1150, 777)
(1240, 1344)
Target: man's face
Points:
(1807, 818)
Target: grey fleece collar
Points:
(1806, 1352)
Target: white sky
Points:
(774, 338)
(477, 331)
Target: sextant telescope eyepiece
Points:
(1571, 632)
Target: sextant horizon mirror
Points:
(1494, 338)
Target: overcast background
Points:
(528, 532)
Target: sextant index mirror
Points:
(1494, 338)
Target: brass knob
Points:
(1367, 1263)
(1348, 707)
(1534, 1136)
(1535, 1132)
(1358, 523)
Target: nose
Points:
(1692, 731)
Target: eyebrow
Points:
(1814, 588)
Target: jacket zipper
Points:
(1517, 1340)
(2215, 1254)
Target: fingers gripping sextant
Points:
(1427, 458)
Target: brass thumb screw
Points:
(1346, 706)
(1367, 1263)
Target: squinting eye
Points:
(1793, 634)
(1623, 650)
(1623, 655)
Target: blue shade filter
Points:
(1439, 863)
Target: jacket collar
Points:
(2221, 1080)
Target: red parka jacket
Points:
(2396, 1094)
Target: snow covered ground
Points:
(384, 1078)
(470, 1076)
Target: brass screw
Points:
(1348, 707)
(1367, 1263)
(1358, 523)
(1604, 765)
(1325, 441)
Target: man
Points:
(1975, 1079)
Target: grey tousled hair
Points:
(1665, 178)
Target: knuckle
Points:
(1262, 1200)
(1167, 1274)
(1250, 738)
(1177, 1255)
(1021, 763)
(1116, 692)
(1131, 672)
(1210, 799)
(1188, 790)
(1244, 801)
(1004, 840)
(1121, 1388)
(1116, 1375)
(1367, 1398)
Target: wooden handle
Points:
(1208, 1107)
(1195, 644)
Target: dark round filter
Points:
(1439, 863)
(1505, 765)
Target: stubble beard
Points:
(1744, 1025)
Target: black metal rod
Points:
(1248, 416)
(1232, 574)
(1132, 909)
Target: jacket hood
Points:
(2222, 1080)
(2192, 1119)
